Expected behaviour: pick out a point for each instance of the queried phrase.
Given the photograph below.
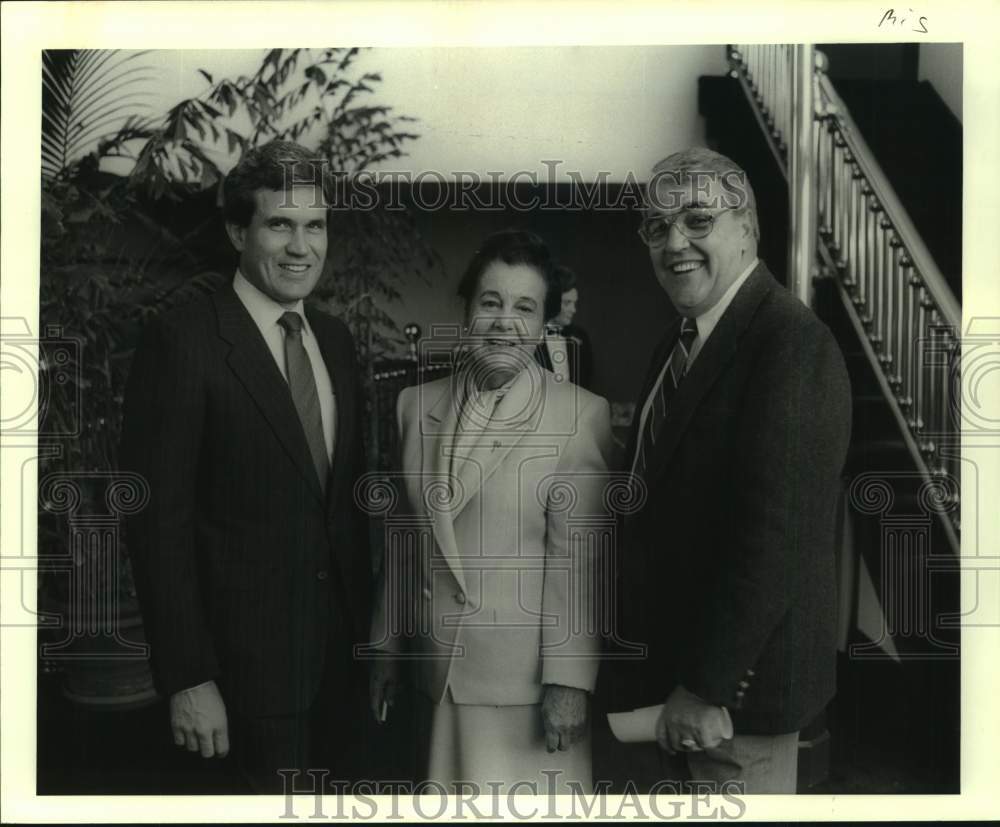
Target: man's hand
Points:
(564, 716)
(689, 724)
(198, 720)
(382, 684)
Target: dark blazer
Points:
(244, 570)
(727, 571)
(578, 352)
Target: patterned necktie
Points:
(664, 391)
(302, 384)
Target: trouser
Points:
(324, 744)
(268, 752)
(763, 764)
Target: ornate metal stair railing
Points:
(388, 378)
(904, 312)
(766, 71)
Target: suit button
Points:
(460, 598)
(740, 693)
(750, 673)
(744, 685)
(322, 575)
(428, 594)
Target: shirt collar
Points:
(707, 321)
(264, 310)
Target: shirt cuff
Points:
(192, 688)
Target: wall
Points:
(941, 65)
(596, 108)
(614, 109)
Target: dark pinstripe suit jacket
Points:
(243, 568)
(728, 569)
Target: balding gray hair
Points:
(704, 165)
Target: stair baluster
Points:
(898, 299)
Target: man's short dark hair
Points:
(276, 166)
(513, 247)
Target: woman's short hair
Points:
(566, 277)
(513, 247)
(276, 166)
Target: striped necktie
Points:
(664, 391)
(302, 384)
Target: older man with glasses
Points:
(727, 567)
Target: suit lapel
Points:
(542, 355)
(252, 363)
(716, 354)
(477, 453)
(343, 400)
(437, 430)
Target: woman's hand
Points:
(382, 685)
(564, 716)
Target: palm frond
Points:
(86, 94)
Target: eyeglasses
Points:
(654, 229)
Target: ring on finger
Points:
(689, 743)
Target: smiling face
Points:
(283, 248)
(696, 273)
(505, 317)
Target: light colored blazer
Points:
(489, 585)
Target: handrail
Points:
(906, 316)
(934, 280)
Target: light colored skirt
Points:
(501, 749)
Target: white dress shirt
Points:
(265, 312)
(705, 323)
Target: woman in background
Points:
(495, 609)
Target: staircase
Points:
(883, 173)
(918, 144)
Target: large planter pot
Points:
(102, 668)
(109, 674)
(99, 643)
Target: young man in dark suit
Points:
(243, 413)
(739, 439)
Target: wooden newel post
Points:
(802, 177)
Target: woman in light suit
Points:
(488, 592)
